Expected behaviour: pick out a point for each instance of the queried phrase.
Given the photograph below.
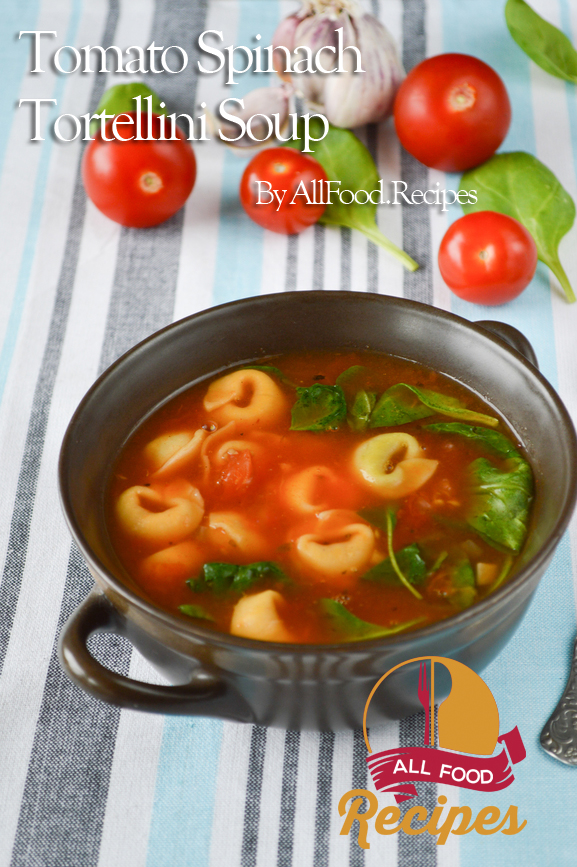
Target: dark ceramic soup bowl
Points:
(300, 686)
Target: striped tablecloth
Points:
(83, 784)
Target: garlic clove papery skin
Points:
(316, 32)
(347, 99)
(284, 35)
(353, 99)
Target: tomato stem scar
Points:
(150, 182)
(462, 97)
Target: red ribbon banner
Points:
(391, 770)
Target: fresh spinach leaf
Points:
(495, 442)
(451, 523)
(360, 411)
(246, 576)
(519, 185)
(352, 379)
(375, 515)
(222, 577)
(352, 628)
(499, 501)
(360, 402)
(398, 405)
(455, 582)
(505, 569)
(437, 564)
(318, 407)
(464, 591)
(196, 611)
(391, 523)
(499, 498)
(120, 100)
(462, 574)
(403, 403)
(545, 44)
(347, 162)
(409, 561)
(217, 577)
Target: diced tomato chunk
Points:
(237, 474)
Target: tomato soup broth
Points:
(320, 497)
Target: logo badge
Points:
(467, 734)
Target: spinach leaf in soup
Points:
(318, 407)
(403, 403)
(377, 516)
(246, 576)
(493, 440)
(464, 591)
(195, 611)
(351, 380)
(406, 567)
(360, 412)
(391, 521)
(360, 401)
(398, 405)
(351, 628)
(519, 185)
(499, 501)
(222, 577)
(409, 561)
(217, 577)
(455, 581)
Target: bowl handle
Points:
(204, 695)
(512, 336)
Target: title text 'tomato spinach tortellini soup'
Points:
(320, 497)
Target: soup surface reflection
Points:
(320, 497)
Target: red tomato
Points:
(138, 183)
(452, 112)
(284, 169)
(487, 257)
(237, 474)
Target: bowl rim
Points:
(185, 629)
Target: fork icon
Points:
(425, 699)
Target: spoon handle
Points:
(559, 735)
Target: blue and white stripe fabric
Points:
(86, 785)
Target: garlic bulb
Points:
(347, 99)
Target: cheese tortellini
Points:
(171, 453)
(245, 396)
(339, 550)
(257, 616)
(306, 492)
(392, 464)
(160, 516)
(231, 533)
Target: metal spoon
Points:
(559, 735)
